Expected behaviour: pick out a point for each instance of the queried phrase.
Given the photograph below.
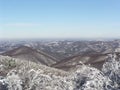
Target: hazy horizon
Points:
(88, 19)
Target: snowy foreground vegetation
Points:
(22, 75)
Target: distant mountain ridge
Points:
(30, 54)
(63, 49)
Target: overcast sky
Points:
(59, 18)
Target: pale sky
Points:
(59, 18)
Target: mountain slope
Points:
(95, 60)
(27, 53)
